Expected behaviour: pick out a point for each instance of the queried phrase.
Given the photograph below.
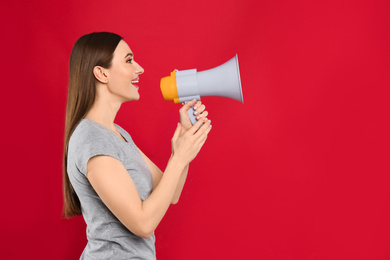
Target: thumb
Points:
(177, 132)
(189, 104)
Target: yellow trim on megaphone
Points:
(169, 88)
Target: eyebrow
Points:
(129, 54)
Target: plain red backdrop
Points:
(299, 171)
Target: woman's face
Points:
(123, 74)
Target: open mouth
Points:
(135, 81)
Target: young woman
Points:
(121, 194)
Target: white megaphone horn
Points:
(186, 85)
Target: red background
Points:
(299, 171)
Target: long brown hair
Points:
(95, 49)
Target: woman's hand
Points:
(200, 113)
(185, 147)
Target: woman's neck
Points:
(104, 112)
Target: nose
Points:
(139, 69)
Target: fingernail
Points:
(196, 112)
(195, 107)
(198, 117)
(210, 121)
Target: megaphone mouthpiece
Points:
(169, 88)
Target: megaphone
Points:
(186, 85)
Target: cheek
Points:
(121, 77)
(126, 75)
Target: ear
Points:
(101, 74)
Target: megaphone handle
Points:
(191, 115)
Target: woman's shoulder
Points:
(90, 139)
(87, 131)
(86, 128)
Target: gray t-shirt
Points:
(107, 237)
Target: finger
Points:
(196, 126)
(209, 128)
(197, 104)
(199, 109)
(187, 105)
(203, 114)
(204, 128)
(202, 138)
(177, 132)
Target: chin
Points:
(135, 98)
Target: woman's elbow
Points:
(145, 235)
(174, 201)
(142, 229)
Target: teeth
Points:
(134, 81)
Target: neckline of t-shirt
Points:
(109, 130)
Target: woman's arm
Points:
(117, 190)
(186, 125)
(180, 186)
(157, 174)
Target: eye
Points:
(129, 60)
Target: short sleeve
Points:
(87, 143)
